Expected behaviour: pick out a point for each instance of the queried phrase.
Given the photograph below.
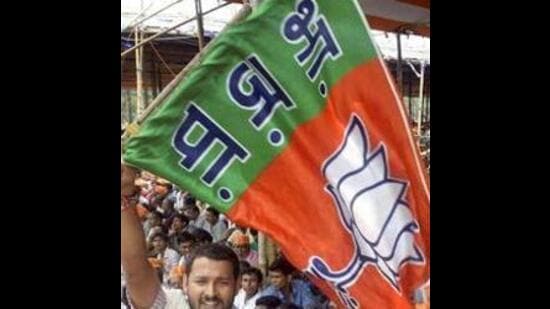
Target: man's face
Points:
(185, 247)
(159, 244)
(278, 279)
(155, 220)
(177, 224)
(211, 218)
(210, 284)
(160, 189)
(250, 284)
(191, 213)
(242, 250)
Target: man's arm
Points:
(141, 281)
(218, 231)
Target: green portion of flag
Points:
(268, 50)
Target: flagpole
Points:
(241, 14)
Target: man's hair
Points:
(244, 265)
(155, 213)
(161, 235)
(253, 271)
(269, 301)
(190, 200)
(202, 235)
(281, 265)
(216, 252)
(191, 207)
(182, 218)
(185, 237)
(213, 211)
(289, 306)
(167, 201)
(167, 185)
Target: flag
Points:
(292, 125)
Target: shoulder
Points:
(175, 299)
(302, 287)
(171, 252)
(301, 284)
(239, 298)
(269, 290)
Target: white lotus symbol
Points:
(372, 207)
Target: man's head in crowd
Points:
(202, 236)
(154, 218)
(159, 242)
(251, 280)
(244, 265)
(162, 187)
(280, 273)
(268, 302)
(289, 306)
(186, 243)
(191, 212)
(190, 200)
(212, 215)
(212, 275)
(241, 244)
(167, 207)
(179, 222)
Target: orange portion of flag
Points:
(288, 200)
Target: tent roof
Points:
(390, 15)
(384, 15)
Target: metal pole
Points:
(427, 102)
(200, 30)
(149, 39)
(410, 82)
(271, 250)
(139, 73)
(262, 257)
(399, 60)
(421, 97)
(153, 77)
(243, 12)
(142, 10)
(130, 25)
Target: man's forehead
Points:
(205, 267)
(276, 273)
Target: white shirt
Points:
(171, 299)
(175, 299)
(241, 303)
(170, 259)
(217, 230)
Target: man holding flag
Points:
(292, 115)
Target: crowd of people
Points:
(174, 245)
(175, 225)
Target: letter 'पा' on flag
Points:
(291, 125)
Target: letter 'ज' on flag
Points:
(291, 125)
